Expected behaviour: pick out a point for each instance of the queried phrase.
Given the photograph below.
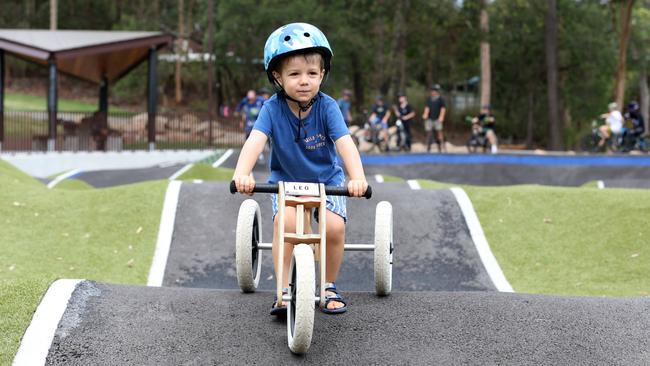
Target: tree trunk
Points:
(619, 85)
(380, 71)
(486, 77)
(399, 48)
(555, 126)
(357, 83)
(531, 120)
(179, 52)
(644, 96)
(53, 15)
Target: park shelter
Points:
(100, 57)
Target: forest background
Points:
(547, 68)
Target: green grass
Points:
(568, 241)
(24, 102)
(392, 178)
(106, 235)
(207, 172)
(73, 184)
(590, 184)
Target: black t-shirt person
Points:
(435, 106)
(404, 111)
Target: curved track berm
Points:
(117, 324)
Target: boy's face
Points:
(301, 76)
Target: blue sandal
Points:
(279, 310)
(331, 287)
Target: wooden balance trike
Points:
(308, 248)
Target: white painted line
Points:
(181, 171)
(164, 242)
(478, 237)
(379, 178)
(414, 184)
(600, 184)
(63, 177)
(38, 337)
(223, 158)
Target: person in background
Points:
(636, 118)
(486, 121)
(434, 118)
(345, 106)
(264, 93)
(406, 114)
(248, 109)
(379, 118)
(613, 123)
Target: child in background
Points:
(307, 130)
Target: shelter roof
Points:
(86, 54)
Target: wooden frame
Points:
(304, 209)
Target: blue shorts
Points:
(336, 204)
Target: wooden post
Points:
(103, 95)
(152, 96)
(51, 104)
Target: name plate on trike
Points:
(301, 189)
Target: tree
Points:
(555, 126)
(624, 38)
(53, 15)
(486, 77)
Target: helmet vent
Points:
(306, 34)
(287, 38)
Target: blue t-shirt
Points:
(251, 110)
(345, 106)
(313, 158)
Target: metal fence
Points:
(81, 131)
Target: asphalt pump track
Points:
(444, 308)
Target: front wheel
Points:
(302, 287)
(248, 256)
(383, 248)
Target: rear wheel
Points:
(383, 248)
(302, 287)
(248, 256)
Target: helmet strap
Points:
(301, 108)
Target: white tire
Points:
(302, 288)
(383, 248)
(248, 256)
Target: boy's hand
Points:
(357, 187)
(245, 184)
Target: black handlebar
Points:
(273, 188)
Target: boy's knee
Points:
(335, 226)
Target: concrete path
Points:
(433, 248)
(132, 325)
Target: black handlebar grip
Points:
(273, 188)
(368, 193)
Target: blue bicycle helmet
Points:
(633, 106)
(295, 38)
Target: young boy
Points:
(307, 130)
